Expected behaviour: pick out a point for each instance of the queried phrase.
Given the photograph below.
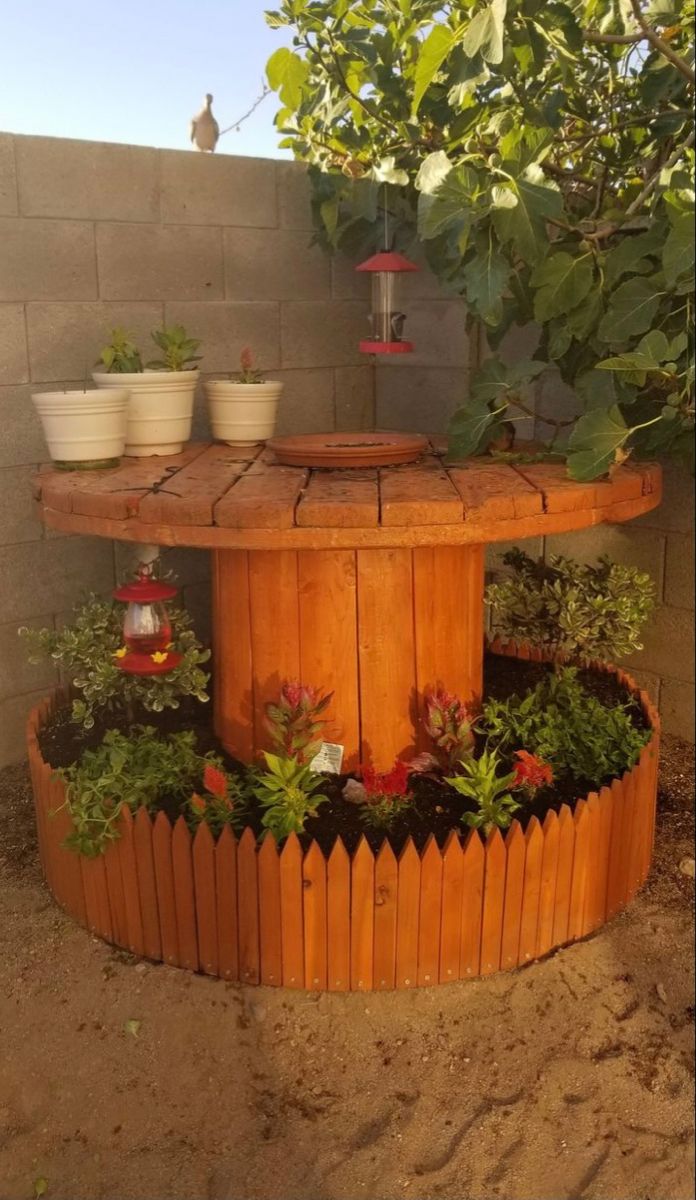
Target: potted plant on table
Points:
(243, 410)
(84, 429)
(160, 409)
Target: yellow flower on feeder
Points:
(159, 656)
(121, 652)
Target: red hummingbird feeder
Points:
(387, 318)
(147, 627)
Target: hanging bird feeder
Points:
(147, 627)
(387, 318)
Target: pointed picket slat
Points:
(647, 795)
(338, 918)
(184, 899)
(430, 914)
(248, 908)
(549, 875)
(532, 891)
(117, 899)
(606, 820)
(386, 908)
(96, 897)
(269, 913)
(131, 890)
(617, 851)
(314, 907)
(630, 836)
(564, 877)
(164, 876)
(516, 851)
(493, 902)
(203, 852)
(472, 906)
(67, 861)
(226, 905)
(407, 914)
(579, 884)
(147, 885)
(451, 926)
(362, 917)
(291, 914)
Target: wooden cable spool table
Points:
(367, 583)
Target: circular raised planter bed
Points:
(368, 922)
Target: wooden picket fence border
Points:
(255, 914)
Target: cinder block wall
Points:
(93, 236)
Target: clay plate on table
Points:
(348, 449)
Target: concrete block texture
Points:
(420, 400)
(669, 645)
(225, 328)
(294, 196)
(355, 397)
(438, 332)
(47, 260)
(14, 366)
(219, 189)
(641, 548)
(307, 403)
(65, 339)
(17, 675)
(679, 577)
(677, 512)
(48, 576)
(13, 719)
(97, 181)
(317, 334)
(159, 262)
(18, 522)
(21, 440)
(677, 708)
(346, 282)
(8, 179)
(274, 264)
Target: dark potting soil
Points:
(437, 809)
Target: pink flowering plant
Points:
(221, 802)
(248, 373)
(295, 722)
(450, 725)
(383, 796)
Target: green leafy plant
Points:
(86, 653)
(178, 349)
(383, 796)
(571, 608)
(479, 780)
(248, 373)
(294, 721)
(121, 356)
(543, 155)
(288, 792)
(137, 769)
(448, 722)
(222, 801)
(567, 727)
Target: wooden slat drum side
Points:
(516, 852)
(248, 908)
(362, 917)
(328, 635)
(191, 496)
(164, 877)
(275, 631)
(579, 885)
(226, 905)
(386, 912)
(338, 918)
(408, 910)
(493, 902)
(472, 906)
(564, 877)
(184, 899)
(270, 934)
(147, 885)
(232, 653)
(430, 914)
(203, 858)
(291, 913)
(315, 923)
(333, 499)
(532, 891)
(451, 927)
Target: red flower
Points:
(530, 771)
(198, 803)
(292, 693)
(214, 781)
(391, 783)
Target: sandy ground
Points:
(569, 1079)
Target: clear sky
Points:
(137, 70)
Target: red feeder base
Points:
(386, 347)
(143, 664)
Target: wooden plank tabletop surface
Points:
(219, 497)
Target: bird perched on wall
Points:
(205, 130)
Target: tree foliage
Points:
(542, 152)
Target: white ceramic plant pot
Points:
(87, 427)
(160, 409)
(242, 414)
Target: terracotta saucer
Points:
(348, 449)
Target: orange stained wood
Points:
(164, 876)
(338, 918)
(596, 881)
(67, 865)
(516, 850)
(338, 499)
(430, 914)
(532, 891)
(270, 936)
(472, 905)
(617, 850)
(408, 911)
(564, 877)
(606, 821)
(190, 499)
(315, 926)
(266, 500)
(580, 881)
(451, 926)
(232, 652)
(226, 905)
(362, 917)
(291, 913)
(422, 494)
(147, 884)
(96, 897)
(184, 896)
(493, 903)
(116, 494)
(386, 912)
(386, 655)
(203, 852)
(495, 493)
(131, 890)
(549, 876)
(248, 909)
(117, 900)
(275, 646)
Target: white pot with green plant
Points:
(84, 429)
(160, 409)
(243, 411)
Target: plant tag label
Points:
(329, 759)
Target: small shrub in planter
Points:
(572, 609)
(479, 780)
(288, 791)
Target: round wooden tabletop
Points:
(218, 497)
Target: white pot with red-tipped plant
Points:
(243, 410)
